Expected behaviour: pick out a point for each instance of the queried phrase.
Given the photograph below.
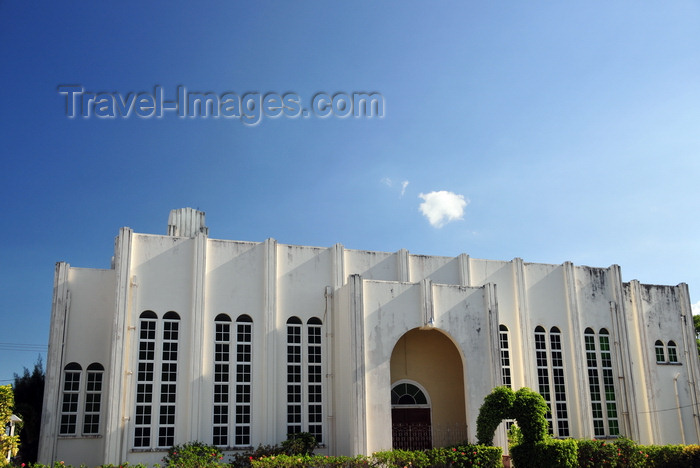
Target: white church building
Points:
(238, 343)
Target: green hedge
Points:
(620, 453)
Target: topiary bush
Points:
(530, 410)
(497, 406)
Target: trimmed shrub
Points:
(300, 443)
(530, 410)
(595, 453)
(193, 455)
(497, 406)
(629, 454)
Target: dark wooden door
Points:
(411, 428)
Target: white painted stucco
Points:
(366, 301)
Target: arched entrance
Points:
(427, 391)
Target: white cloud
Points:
(442, 207)
(390, 183)
(404, 184)
(696, 308)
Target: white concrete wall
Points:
(366, 301)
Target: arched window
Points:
(660, 354)
(145, 379)
(294, 403)
(549, 360)
(608, 382)
(542, 363)
(562, 415)
(505, 355)
(222, 376)
(603, 404)
(244, 363)
(305, 371)
(408, 394)
(315, 381)
(71, 396)
(168, 384)
(672, 353)
(93, 399)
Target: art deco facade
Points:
(240, 343)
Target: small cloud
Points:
(404, 184)
(696, 308)
(387, 181)
(442, 207)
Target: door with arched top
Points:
(410, 417)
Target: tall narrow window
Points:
(294, 384)
(672, 353)
(222, 376)
(659, 348)
(93, 399)
(145, 379)
(69, 402)
(608, 382)
(594, 383)
(603, 405)
(543, 369)
(562, 415)
(315, 416)
(550, 360)
(244, 340)
(168, 380)
(505, 356)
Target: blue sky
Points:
(550, 131)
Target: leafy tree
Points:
(7, 403)
(696, 322)
(29, 399)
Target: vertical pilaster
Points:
(403, 266)
(690, 352)
(54, 364)
(270, 338)
(464, 270)
(622, 355)
(359, 398)
(118, 385)
(524, 326)
(199, 325)
(576, 349)
(427, 308)
(645, 403)
(338, 265)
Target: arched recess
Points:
(431, 361)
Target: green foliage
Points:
(497, 406)
(244, 459)
(292, 461)
(629, 454)
(193, 455)
(29, 398)
(299, 443)
(559, 453)
(402, 458)
(595, 453)
(7, 405)
(527, 407)
(530, 409)
(546, 453)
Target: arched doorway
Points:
(410, 417)
(427, 390)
